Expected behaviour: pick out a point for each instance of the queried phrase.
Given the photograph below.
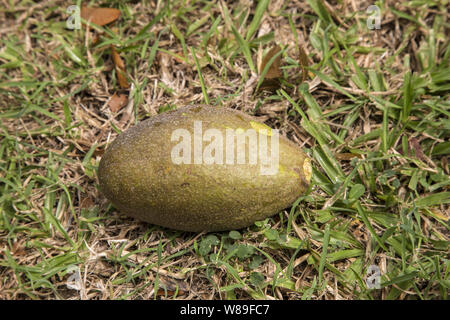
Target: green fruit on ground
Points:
(200, 168)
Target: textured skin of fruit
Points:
(138, 176)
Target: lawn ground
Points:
(369, 106)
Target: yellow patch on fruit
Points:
(307, 169)
(261, 128)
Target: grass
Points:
(373, 114)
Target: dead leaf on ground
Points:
(117, 102)
(118, 62)
(271, 78)
(274, 69)
(418, 149)
(120, 69)
(162, 292)
(123, 82)
(100, 16)
(18, 249)
(86, 201)
(304, 62)
(415, 144)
